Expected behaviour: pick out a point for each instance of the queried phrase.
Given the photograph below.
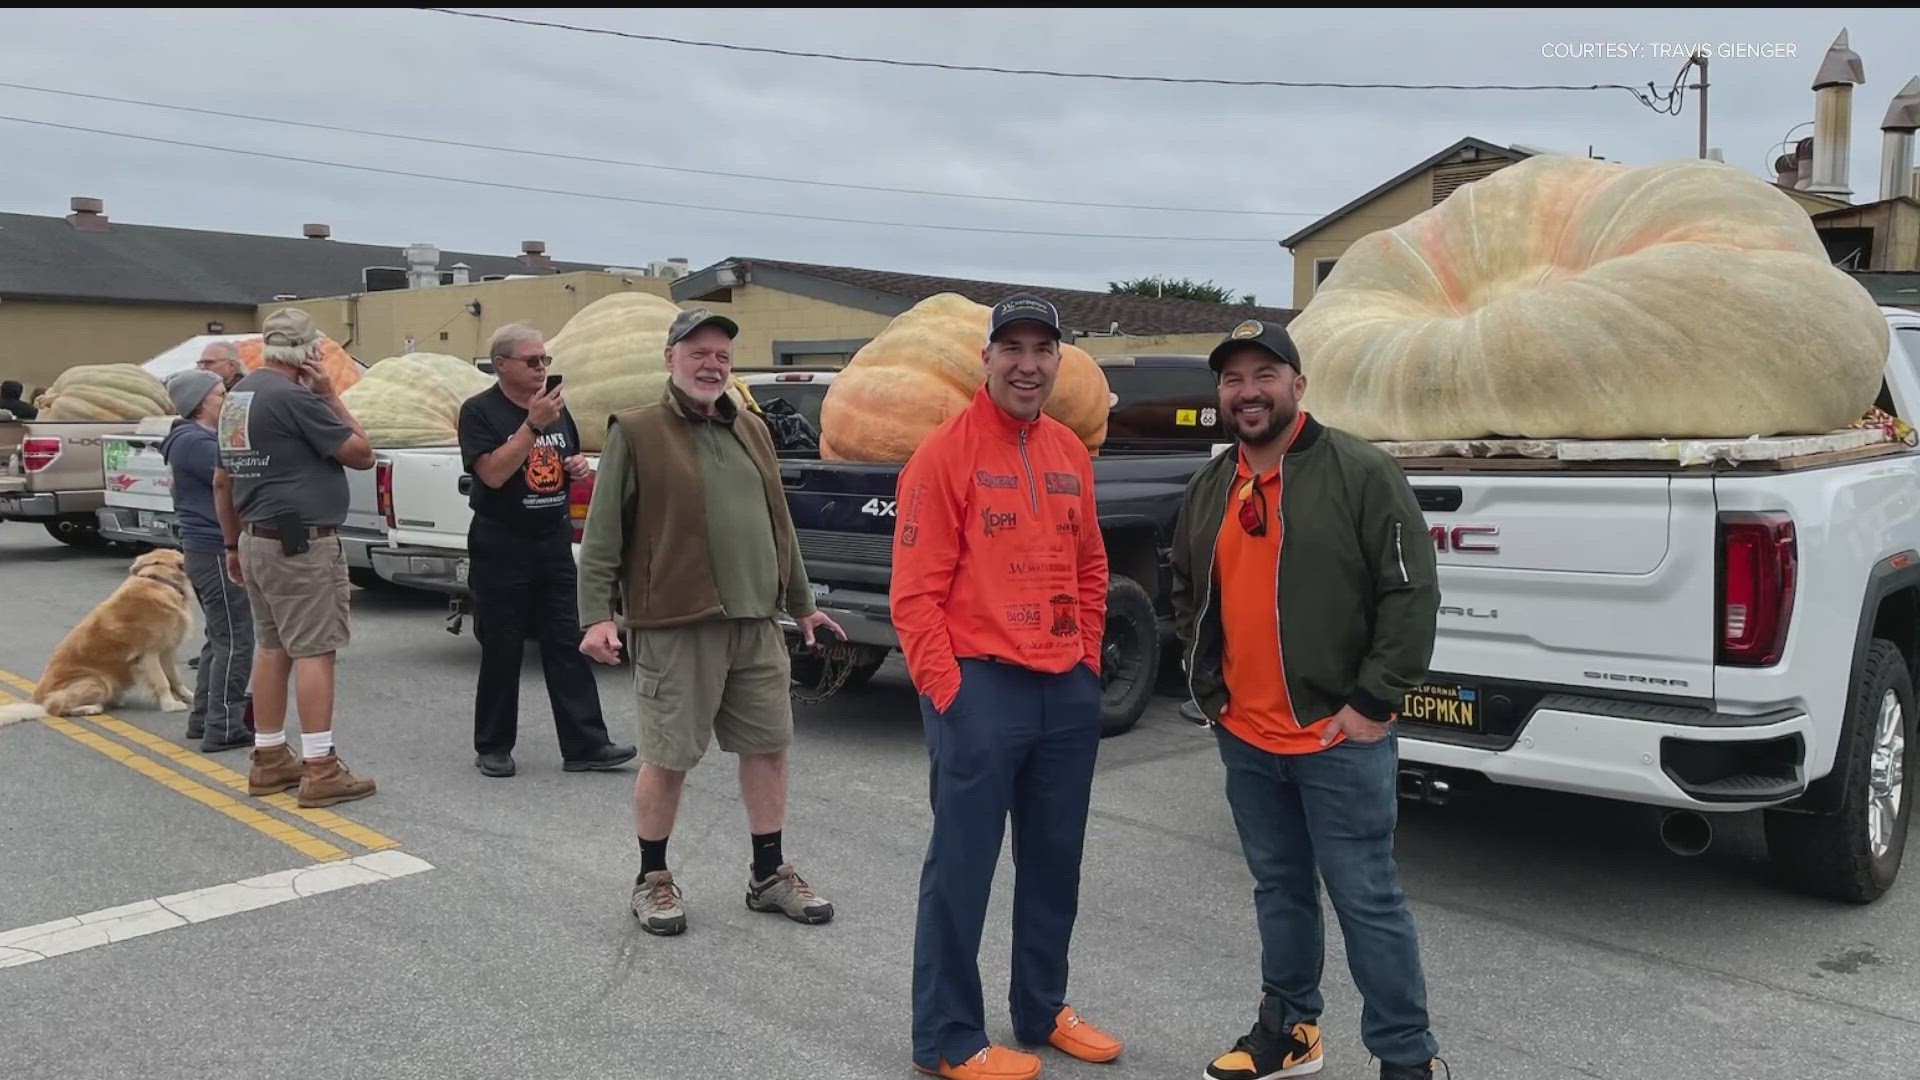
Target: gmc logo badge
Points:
(1462, 538)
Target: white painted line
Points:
(61, 936)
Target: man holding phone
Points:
(521, 447)
(286, 441)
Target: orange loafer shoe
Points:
(1077, 1038)
(991, 1063)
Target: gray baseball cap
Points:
(694, 318)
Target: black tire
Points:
(807, 670)
(1832, 855)
(1129, 656)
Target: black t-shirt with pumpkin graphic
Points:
(534, 499)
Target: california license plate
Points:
(1446, 705)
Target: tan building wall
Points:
(376, 325)
(1393, 206)
(39, 339)
(1896, 233)
(767, 316)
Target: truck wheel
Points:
(1129, 656)
(1853, 853)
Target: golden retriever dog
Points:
(123, 652)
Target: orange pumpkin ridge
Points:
(334, 360)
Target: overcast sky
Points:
(1296, 153)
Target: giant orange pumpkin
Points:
(334, 360)
(1573, 298)
(924, 367)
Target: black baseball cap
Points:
(1268, 336)
(1023, 307)
(693, 319)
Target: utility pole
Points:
(1700, 60)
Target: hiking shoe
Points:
(274, 770)
(1262, 1054)
(1077, 1038)
(326, 781)
(656, 903)
(789, 894)
(494, 764)
(991, 1063)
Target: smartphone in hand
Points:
(553, 383)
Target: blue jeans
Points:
(1335, 811)
(1017, 742)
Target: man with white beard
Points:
(688, 536)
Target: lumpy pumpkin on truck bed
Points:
(414, 399)
(925, 367)
(612, 357)
(104, 392)
(1574, 298)
(334, 360)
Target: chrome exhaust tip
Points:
(1686, 833)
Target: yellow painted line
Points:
(325, 819)
(312, 847)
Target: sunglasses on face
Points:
(543, 360)
(1253, 509)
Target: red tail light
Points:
(579, 496)
(38, 452)
(383, 490)
(1758, 571)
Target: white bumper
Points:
(1611, 757)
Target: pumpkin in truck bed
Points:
(924, 367)
(1573, 298)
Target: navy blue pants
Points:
(1014, 742)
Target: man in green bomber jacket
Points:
(688, 534)
(1305, 596)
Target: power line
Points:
(651, 165)
(1041, 72)
(634, 199)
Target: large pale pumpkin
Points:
(104, 392)
(414, 399)
(334, 360)
(613, 356)
(1572, 298)
(924, 367)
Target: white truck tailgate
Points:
(1581, 581)
(138, 478)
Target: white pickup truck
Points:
(1705, 638)
(421, 493)
(139, 500)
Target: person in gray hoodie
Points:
(220, 701)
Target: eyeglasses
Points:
(543, 360)
(1253, 509)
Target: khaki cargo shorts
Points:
(728, 678)
(300, 602)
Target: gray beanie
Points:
(187, 389)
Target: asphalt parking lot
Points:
(481, 929)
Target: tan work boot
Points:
(327, 781)
(275, 769)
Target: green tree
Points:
(1178, 289)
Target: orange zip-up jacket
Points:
(997, 552)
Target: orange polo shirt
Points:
(1259, 709)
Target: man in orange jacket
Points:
(999, 595)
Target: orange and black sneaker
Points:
(1263, 1054)
(1077, 1038)
(991, 1063)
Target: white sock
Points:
(270, 738)
(316, 744)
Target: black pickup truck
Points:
(1162, 429)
